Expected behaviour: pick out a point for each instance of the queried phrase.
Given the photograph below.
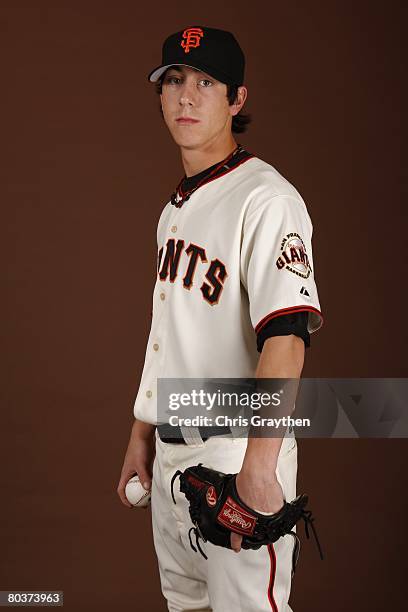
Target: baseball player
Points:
(235, 296)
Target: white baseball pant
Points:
(248, 581)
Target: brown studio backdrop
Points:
(88, 165)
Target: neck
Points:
(197, 160)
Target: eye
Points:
(172, 79)
(207, 81)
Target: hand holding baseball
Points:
(136, 494)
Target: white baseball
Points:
(136, 494)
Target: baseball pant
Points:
(248, 581)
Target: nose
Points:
(187, 94)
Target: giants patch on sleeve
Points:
(236, 518)
(293, 256)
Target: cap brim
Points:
(216, 74)
(157, 72)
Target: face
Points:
(195, 107)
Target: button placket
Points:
(159, 343)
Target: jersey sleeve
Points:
(293, 323)
(276, 263)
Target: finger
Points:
(124, 479)
(236, 541)
(121, 493)
(145, 478)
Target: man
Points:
(235, 296)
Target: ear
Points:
(242, 94)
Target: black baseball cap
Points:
(213, 51)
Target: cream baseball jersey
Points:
(234, 256)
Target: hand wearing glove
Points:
(217, 510)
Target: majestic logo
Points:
(236, 518)
(293, 256)
(211, 496)
(192, 38)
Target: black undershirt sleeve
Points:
(292, 323)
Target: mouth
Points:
(186, 120)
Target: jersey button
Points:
(149, 393)
(174, 229)
(155, 347)
(162, 295)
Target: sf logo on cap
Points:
(192, 38)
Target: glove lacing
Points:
(195, 515)
(308, 520)
(198, 534)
